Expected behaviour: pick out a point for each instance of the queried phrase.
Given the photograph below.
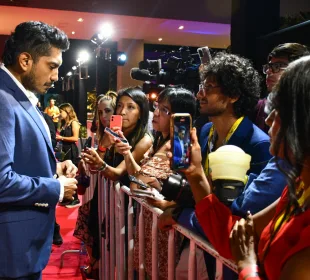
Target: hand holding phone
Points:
(114, 134)
(87, 143)
(135, 180)
(180, 127)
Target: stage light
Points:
(153, 96)
(80, 20)
(121, 58)
(74, 68)
(160, 39)
(105, 31)
(69, 74)
(181, 27)
(83, 57)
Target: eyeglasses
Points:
(161, 109)
(275, 67)
(208, 88)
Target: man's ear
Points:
(25, 61)
(233, 99)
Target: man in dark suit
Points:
(29, 190)
(179, 147)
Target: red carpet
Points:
(66, 218)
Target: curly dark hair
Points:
(36, 38)
(237, 78)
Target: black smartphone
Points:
(111, 132)
(180, 127)
(87, 143)
(133, 179)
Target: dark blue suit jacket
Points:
(28, 191)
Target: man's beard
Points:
(29, 82)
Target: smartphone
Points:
(180, 127)
(133, 179)
(204, 54)
(111, 132)
(116, 121)
(143, 193)
(87, 143)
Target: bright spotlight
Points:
(69, 74)
(119, 58)
(105, 31)
(83, 57)
(74, 68)
(153, 96)
(123, 57)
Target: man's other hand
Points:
(66, 168)
(69, 187)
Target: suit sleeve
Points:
(20, 189)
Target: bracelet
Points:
(249, 272)
(102, 149)
(103, 167)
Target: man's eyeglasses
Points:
(275, 67)
(161, 109)
(204, 88)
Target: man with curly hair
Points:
(229, 91)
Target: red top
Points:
(217, 222)
(291, 238)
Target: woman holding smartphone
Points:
(132, 105)
(156, 165)
(105, 108)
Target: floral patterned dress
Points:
(157, 166)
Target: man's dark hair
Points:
(36, 38)
(237, 78)
(291, 51)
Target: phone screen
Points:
(181, 141)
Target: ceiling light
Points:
(69, 74)
(160, 39)
(73, 32)
(74, 68)
(80, 20)
(181, 27)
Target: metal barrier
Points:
(113, 262)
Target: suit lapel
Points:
(20, 96)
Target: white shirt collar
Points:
(30, 95)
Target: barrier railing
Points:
(113, 264)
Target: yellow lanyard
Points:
(301, 200)
(211, 140)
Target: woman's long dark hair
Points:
(291, 100)
(181, 100)
(138, 96)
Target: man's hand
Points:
(165, 220)
(69, 187)
(66, 168)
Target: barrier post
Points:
(154, 247)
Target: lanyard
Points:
(212, 139)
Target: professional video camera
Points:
(177, 70)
